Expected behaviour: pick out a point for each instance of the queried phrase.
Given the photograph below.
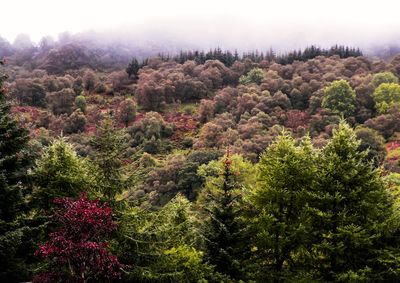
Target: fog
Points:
(243, 25)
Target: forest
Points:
(198, 166)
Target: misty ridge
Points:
(114, 49)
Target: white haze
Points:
(250, 24)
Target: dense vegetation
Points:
(199, 167)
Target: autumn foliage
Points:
(76, 251)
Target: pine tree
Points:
(109, 146)
(14, 163)
(224, 230)
(162, 245)
(60, 172)
(133, 68)
(281, 221)
(13, 159)
(352, 208)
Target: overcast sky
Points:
(216, 21)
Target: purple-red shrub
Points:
(76, 251)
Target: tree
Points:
(109, 146)
(340, 98)
(281, 223)
(29, 93)
(386, 95)
(384, 77)
(351, 212)
(133, 68)
(62, 101)
(221, 202)
(90, 80)
(80, 102)
(59, 173)
(372, 142)
(77, 251)
(75, 123)
(162, 245)
(14, 163)
(255, 75)
(127, 111)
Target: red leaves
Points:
(296, 118)
(76, 250)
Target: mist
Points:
(242, 25)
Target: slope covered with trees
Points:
(200, 167)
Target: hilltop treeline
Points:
(228, 58)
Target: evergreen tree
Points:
(221, 200)
(352, 208)
(59, 173)
(162, 245)
(14, 162)
(109, 146)
(281, 221)
(133, 68)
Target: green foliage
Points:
(255, 75)
(372, 142)
(351, 209)
(162, 246)
(75, 123)
(80, 102)
(59, 173)
(133, 68)
(221, 203)
(189, 181)
(149, 133)
(340, 98)
(14, 162)
(386, 95)
(300, 214)
(109, 146)
(127, 111)
(244, 172)
(281, 220)
(384, 77)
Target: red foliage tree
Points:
(76, 251)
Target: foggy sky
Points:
(246, 24)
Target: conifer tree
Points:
(13, 159)
(133, 68)
(109, 146)
(224, 230)
(352, 208)
(60, 172)
(162, 245)
(14, 162)
(281, 222)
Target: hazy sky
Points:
(227, 21)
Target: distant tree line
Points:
(228, 57)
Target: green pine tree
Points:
(162, 245)
(281, 221)
(352, 208)
(60, 172)
(221, 201)
(14, 162)
(109, 146)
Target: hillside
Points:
(199, 166)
